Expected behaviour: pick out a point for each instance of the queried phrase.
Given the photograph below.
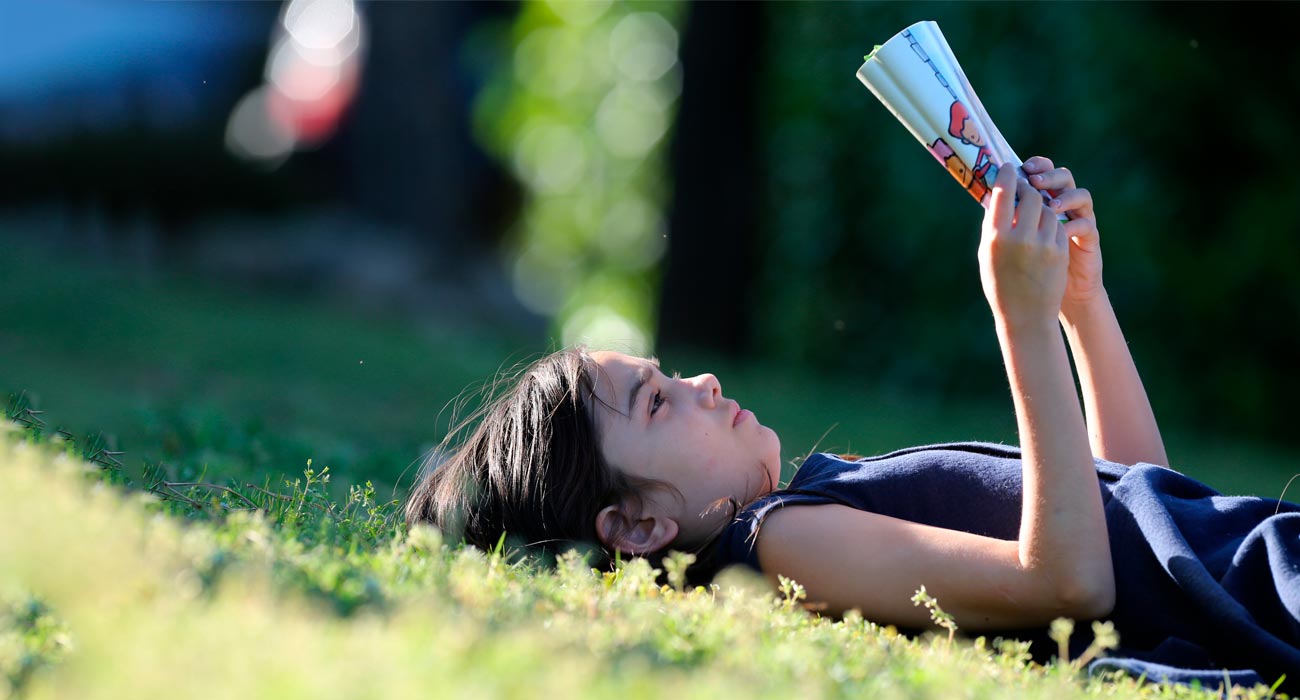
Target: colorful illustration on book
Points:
(961, 127)
(950, 160)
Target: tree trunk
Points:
(711, 251)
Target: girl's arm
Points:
(1060, 564)
(1121, 425)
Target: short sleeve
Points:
(738, 543)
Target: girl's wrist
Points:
(1080, 312)
(1014, 328)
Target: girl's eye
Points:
(658, 398)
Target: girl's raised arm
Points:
(1121, 425)
(1060, 564)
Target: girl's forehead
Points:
(615, 370)
(614, 378)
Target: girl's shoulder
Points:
(947, 455)
(862, 482)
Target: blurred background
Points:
(235, 236)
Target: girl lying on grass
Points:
(1084, 520)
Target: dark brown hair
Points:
(531, 467)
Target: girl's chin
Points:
(773, 480)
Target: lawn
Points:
(106, 595)
(314, 587)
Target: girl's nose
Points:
(710, 388)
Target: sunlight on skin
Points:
(684, 432)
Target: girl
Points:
(603, 448)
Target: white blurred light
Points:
(336, 54)
(551, 157)
(320, 24)
(632, 234)
(601, 327)
(298, 78)
(541, 280)
(310, 79)
(631, 120)
(253, 133)
(644, 46)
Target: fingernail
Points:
(1037, 178)
(1055, 204)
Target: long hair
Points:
(531, 468)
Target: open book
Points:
(916, 76)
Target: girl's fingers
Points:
(1077, 200)
(1048, 225)
(1003, 200)
(1083, 229)
(1030, 209)
(1037, 164)
(1054, 179)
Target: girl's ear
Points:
(618, 530)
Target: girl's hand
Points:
(1024, 253)
(1084, 283)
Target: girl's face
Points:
(684, 432)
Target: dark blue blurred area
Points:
(120, 140)
(105, 65)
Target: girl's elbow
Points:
(1088, 598)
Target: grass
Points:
(215, 378)
(107, 596)
(307, 583)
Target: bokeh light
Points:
(644, 46)
(551, 158)
(601, 326)
(592, 93)
(321, 24)
(252, 134)
(312, 73)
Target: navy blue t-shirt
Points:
(1204, 582)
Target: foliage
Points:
(107, 595)
(937, 614)
(1104, 638)
(31, 638)
(581, 113)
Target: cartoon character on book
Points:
(944, 154)
(962, 127)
